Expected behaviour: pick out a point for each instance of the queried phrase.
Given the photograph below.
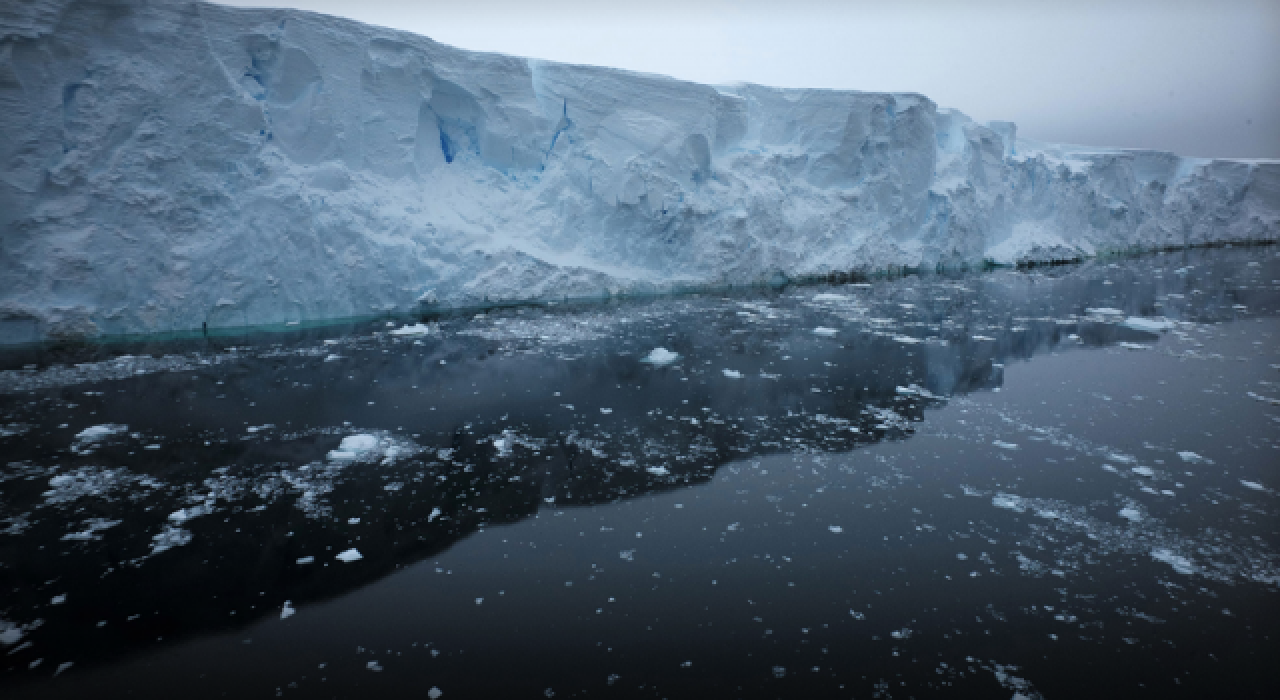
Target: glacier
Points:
(172, 164)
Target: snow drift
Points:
(168, 164)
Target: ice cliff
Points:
(166, 164)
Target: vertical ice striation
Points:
(168, 164)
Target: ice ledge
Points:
(172, 164)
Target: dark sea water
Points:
(1052, 483)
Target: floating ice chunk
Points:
(1008, 502)
(373, 666)
(168, 538)
(434, 693)
(982, 337)
(1134, 346)
(303, 561)
(904, 633)
(835, 529)
(1147, 472)
(1192, 457)
(1109, 468)
(182, 515)
(825, 332)
(1253, 485)
(906, 339)
(287, 610)
(353, 521)
(606, 411)
(416, 330)
(1133, 515)
(732, 373)
(435, 513)
(658, 471)
(58, 599)
(1105, 312)
(332, 358)
(89, 438)
(1179, 563)
(1004, 445)
(349, 556)
(1148, 325)
(659, 357)
(354, 447)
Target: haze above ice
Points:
(1196, 78)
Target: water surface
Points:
(1049, 483)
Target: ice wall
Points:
(166, 164)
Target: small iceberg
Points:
(825, 332)
(416, 330)
(1148, 325)
(349, 556)
(660, 357)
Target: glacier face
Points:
(167, 164)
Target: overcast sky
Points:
(1200, 77)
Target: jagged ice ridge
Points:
(167, 164)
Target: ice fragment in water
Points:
(824, 331)
(1004, 445)
(1133, 515)
(58, 599)
(373, 666)
(306, 560)
(418, 329)
(350, 555)
(1191, 457)
(287, 610)
(1148, 325)
(1008, 502)
(661, 356)
(835, 529)
(1134, 346)
(434, 693)
(435, 513)
(1253, 485)
(732, 373)
(1104, 311)
(1147, 472)
(354, 447)
(1179, 563)
(658, 471)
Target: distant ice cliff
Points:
(166, 164)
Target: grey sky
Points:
(1199, 78)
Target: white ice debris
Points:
(1134, 346)
(450, 192)
(732, 373)
(825, 332)
(168, 538)
(1148, 325)
(89, 438)
(1192, 457)
(835, 529)
(434, 693)
(302, 561)
(658, 471)
(659, 357)
(1105, 312)
(416, 330)
(287, 610)
(1146, 472)
(349, 556)
(1253, 485)
(355, 447)
(1179, 563)
(1131, 514)
(1004, 445)
(435, 513)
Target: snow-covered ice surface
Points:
(170, 164)
(969, 487)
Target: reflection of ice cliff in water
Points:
(234, 520)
